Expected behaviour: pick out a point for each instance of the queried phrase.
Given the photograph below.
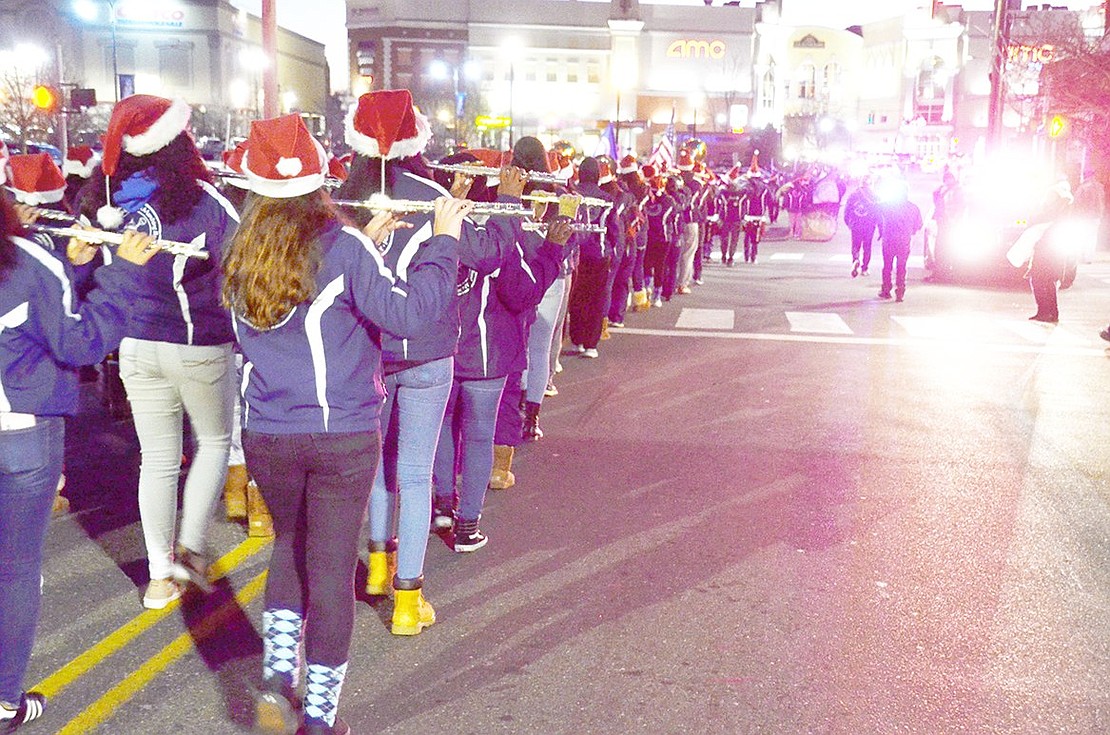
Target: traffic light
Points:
(1057, 126)
(45, 98)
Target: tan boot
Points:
(639, 301)
(235, 492)
(604, 328)
(502, 477)
(259, 522)
(411, 612)
(382, 565)
(61, 502)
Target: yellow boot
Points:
(259, 522)
(411, 612)
(640, 301)
(604, 328)
(502, 477)
(235, 492)
(61, 502)
(382, 566)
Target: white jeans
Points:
(688, 248)
(162, 379)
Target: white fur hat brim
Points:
(159, 135)
(367, 146)
(35, 198)
(287, 188)
(71, 167)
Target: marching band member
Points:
(588, 295)
(44, 331)
(78, 167)
(661, 225)
(303, 289)
(620, 274)
(387, 133)
(689, 238)
(633, 180)
(177, 354)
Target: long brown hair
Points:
(271, 263)
(9, 227)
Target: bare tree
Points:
(21, 120)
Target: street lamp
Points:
(253, 59)
(88, 11)
(440, 70)
(696, 100)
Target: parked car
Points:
(37, 148)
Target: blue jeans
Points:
(30, 466)
(466, 446)
(540, 336)
(415, 401)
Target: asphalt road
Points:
(888, 518)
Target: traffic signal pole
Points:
(270, 107)
(1000, 37)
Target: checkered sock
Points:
(281, 643)
(321, 696)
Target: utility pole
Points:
(270, 107)
(1000, 36)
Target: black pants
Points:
(752, 233)
(730, 237)
(316, 486)
(861, 243)
(588, 297)
(894, 259)
(1044, 293)
(618, 300)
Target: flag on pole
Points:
(662, 158)
(607, 146)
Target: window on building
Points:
(552, 70)
(807, 82)
(175, 65)
(930, 91)
(831, 80)
(402, 56)
(593, 72)
(767, 93)
(572, 70)
(530, 72)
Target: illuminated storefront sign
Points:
(695, 49)
(144, 15)
(1022, 54)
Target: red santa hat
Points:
(628, 165)
(605, 170)
(36, 179)
(80, 161)
(282, 159)
(143, 124)
(685, 160)
(384, 124)
(754, 168)
(337, 169)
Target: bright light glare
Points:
(253, 58)
(827, 124)
(472, 70)
(86, 10)
(890, 188)
(289, 99)
(971, 239)
(438, 69)
(240, 93)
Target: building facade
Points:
(204, 51)
(487, 72)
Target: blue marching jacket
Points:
(319, 370)
(46, 332)
(495, 307)
(481, 248)
(179, 298)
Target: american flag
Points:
(662, 158)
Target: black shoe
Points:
(899, 298)
(468, 537)
(855, 269)
(321, 728)
(32, 706)
(532, 430)
(1105, 334)
(884, 295)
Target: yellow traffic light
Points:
(1057, 126)
(45, 98)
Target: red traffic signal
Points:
(45, 98)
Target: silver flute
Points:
(330, 182)
(475, 170)
(379, 203)
(541, 227)
(103, 237)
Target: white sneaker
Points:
(160, 593)
(590, 353)
(657, 303)
(550, 390)
(578, 348)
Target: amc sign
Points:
(694, 49)
(1022, 54)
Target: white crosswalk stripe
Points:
(787, 256)
(706, 319)
(817, 322)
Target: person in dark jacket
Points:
(1054, 256)
(661, 226)
(494, 302)
(588, 296)
(901, 219)
(418, 369)
(624, 256)
(177, 355)
(861, 214)
(307, 293)
(755, 202)
(45, 330)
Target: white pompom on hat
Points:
(685, 160)
(36, 179)
(384, 124)
(281, 159)
(80, 161)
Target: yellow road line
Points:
(52, 685)
(100, 710)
